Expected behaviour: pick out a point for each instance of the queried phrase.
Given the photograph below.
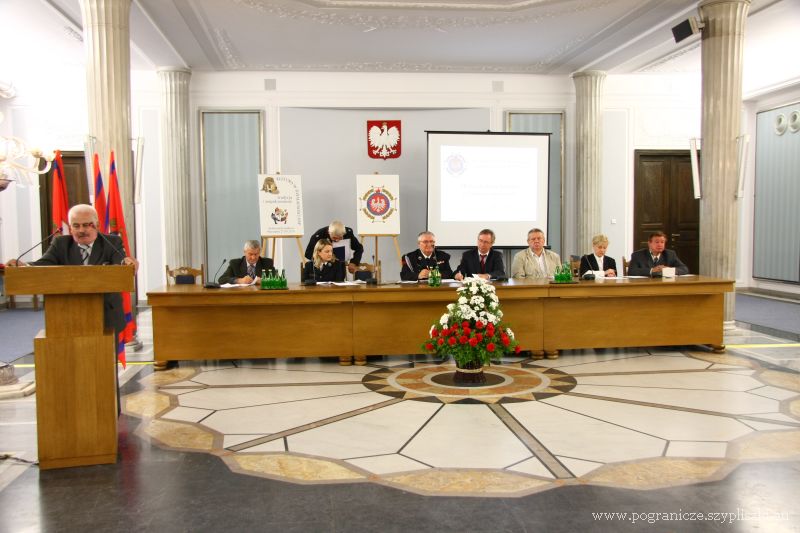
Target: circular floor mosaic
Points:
(505, 383)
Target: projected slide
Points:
(493, 181)
(480, 180)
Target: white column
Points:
(106, 33)
(588, 110)
(722, 43)
(175, 164)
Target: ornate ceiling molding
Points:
(495, 5)
(228, 54)
(386, 20)
(659, 64)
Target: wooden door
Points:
(663, 199)
(77, 188)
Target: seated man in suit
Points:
(418, 264)
(249, 267)
(535, 261)
(85, 245)
(483, 261)
(324, 266)
(343, 240)
(651, 261)
(598, 261)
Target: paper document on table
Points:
(407, 281)
(346, 283)
(231, 285)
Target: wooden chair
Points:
(624, 266)
(366, 271)
(184, 275)
(575, 266)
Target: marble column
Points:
(722, 44)
(175, 164)
(106, 34)
(588, 112)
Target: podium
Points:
(76, 406)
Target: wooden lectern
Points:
(76, 407)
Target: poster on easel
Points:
(378, 204)
(280, 205)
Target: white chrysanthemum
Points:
(445, 318)
(462, 300)
(509, 333)
(450, 307)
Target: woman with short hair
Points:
(598, 261)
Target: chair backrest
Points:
(184, 275)
(575, 266)
(624, 266)
(365, 271)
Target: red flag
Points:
(100, 196)
(116, 224)
(60, 205)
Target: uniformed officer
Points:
(418, 264)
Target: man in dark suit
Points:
(652, 260)
(342, 238)
(482, 261)
(249, 267)
(418, 264)
(86, 246)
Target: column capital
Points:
(707, 3)
(183, 70)
(588, 73)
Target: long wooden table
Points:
(190, 322)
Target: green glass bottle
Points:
(435, 277)
(263, 280)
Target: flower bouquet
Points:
(471, 331)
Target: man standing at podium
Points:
(87, 246)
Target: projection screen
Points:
(486, 180)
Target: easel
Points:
(377, 257)
(275, 238)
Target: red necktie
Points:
(483, 264)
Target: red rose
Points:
(451, 341)
(479, 337)
(473, 342)
(445, 332)
(506, 341)
(467, 330)
(435, 332)
(517, 349)
(440, 341)
(429, 347)
(490, 347)
(490, 329)
(464, 339)
(479, 324)
(465, 324)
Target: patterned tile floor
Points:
(634, 418)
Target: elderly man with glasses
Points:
(417, 265)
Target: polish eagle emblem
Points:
(383, 139)
(378, 204)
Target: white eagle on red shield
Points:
(383, 139)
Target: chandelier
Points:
(18, 162)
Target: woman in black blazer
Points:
(590, 262)
(323, 265)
